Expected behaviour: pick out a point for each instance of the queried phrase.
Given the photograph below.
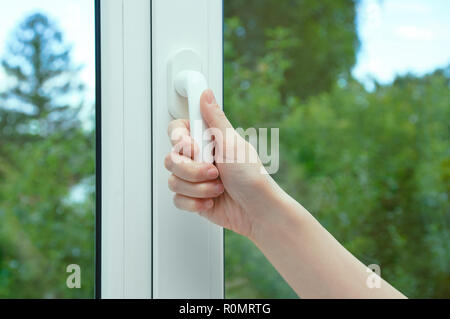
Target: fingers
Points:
(188, 170)
(180, 138)
(210, 189)
(194, 183)
(192, 204)
(186, 146)
(177, 129)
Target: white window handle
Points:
(186, 80)
(191, 85)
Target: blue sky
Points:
(74, 17)
(397, 36)
(401, 36)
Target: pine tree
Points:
(44, 155)
(43, 81)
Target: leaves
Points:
(45, 157)
(371, 166)
(324, 31)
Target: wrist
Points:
(276, 212)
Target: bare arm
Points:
(239, 197)
(308, 257)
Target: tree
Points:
(373, 167)
(45, 156)
(44, 82)
(325, 31)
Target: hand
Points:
(231, 193)
(240, 197)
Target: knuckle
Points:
(198, 205)
(172, 182)
(168, 163)
(186, 145)
(169, 128)
(211, 190)
(176, 129)
(204, 189)
(198, 174)
(177, 202)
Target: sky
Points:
(402, 36)
(397, 36)
(75, 17)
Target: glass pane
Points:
(47, 149)
(360, 92)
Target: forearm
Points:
(309, 258)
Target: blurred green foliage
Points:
(373, 167)
(324, 33)
(47, 161)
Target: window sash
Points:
(149, 249)
(126, 149)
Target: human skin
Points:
(237, 196)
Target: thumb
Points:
(212, 113)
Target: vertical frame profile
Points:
(187, 249)
(126, 149)
(147, 248)
(98, 153)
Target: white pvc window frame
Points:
(150, 249)
(126, 149)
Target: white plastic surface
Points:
(187, 81)
(126, 149)
(187, 249)
(185, 257)
(191, 85)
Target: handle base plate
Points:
(185, 59)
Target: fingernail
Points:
(212, 173)
(219, 188)
(210, 98)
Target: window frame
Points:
(136, 256)
(188, 250)
(126, 149)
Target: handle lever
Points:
(185, 77)
(191, 85)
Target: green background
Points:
(372, 166)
